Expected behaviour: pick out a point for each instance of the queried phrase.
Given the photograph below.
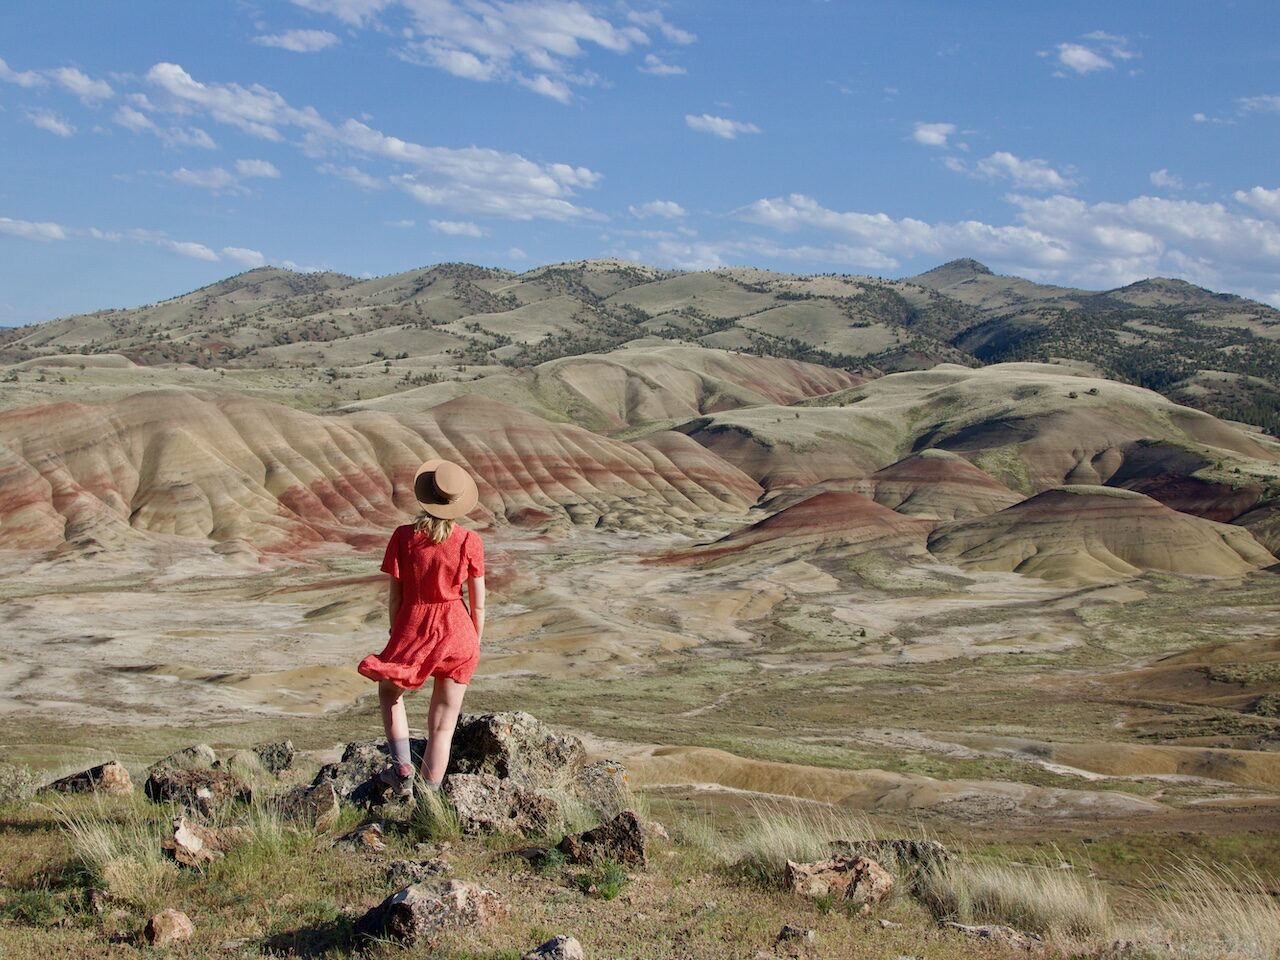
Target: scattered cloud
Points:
(655, 19)
(353, 12)
(51, 122)
(666, 209)
(1261, 199)
(28, 230)
(196, 251)
(353, 175)
(457, 228)
(248, 169)
(299, 41)
(23, 78)
(933, 134)
(1268, 103)
(1166, 180)
(216, 179)
(1030, 174)
(399, 224)
(243, 256)
(81, 84)
(719, 126)
(1081, 59)
(659, 68)
(1100, 52)
(137, 121)
(254, 110)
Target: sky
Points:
(149, 147)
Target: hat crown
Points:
(450, 480)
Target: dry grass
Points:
(1211, 911)
(774, 834)
(1059, 905)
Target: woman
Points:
(432, 633)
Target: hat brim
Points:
(465, 503)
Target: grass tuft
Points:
(434, 817)
(1214, 911)
(605, 880)
(18, 783)
(774, 835)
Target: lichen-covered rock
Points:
(168, 926)
(518, 747)
(199, 756)
(193, 845)
(202, 792)
(487, 804)
(604, 786)
(622, 840)
(368, 838)
(276, 756)
(559, 947)
(922, 853)
(856, 879)
(110, 777)
(317, 806)
(355, 776)
(404, 872)
(414, 913)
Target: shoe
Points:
(401, 787)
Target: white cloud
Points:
(28, 230)
(49, 121)
(23, 78)
(81, 84)
(243, 256)
(669, 31)
(298, 41)
(667, 209)
(257, 168)
(719, 126)
(1169, 181)
(134, 120)
(352, 175)
(217, 179)
(139, 122)
(548, 87)
(933, 134)
(1081, 59)
(354, 12)
(1032, 174)
(255, 110)
(655, 65)
(1261, 199)
(399, 224)
(1117, 47)
(197, 251)
(1261, 104)
(457, 228)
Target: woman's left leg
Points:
(442, 717)
(396, 724)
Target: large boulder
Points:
(487, 804)
(856, 879)
(202, 792)
(168, 926)
(518, 747)
(355, 776)
(416, 912)
(276, 756)
(316, 805)
(604, 786)
(622, 840)
(199, 756)
(110, 777)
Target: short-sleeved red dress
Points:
(433, 635)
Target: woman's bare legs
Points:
(396, 724)
(442, 717)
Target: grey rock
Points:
(355, 776)
(199, 756)
(791, 932)
(604, 786)
(110, 777)
(622, 839)
(202, 792)
(921, 853)
(518, 747)
(367, 838)
(401, 873)
(559, 947)
(486, 804)
(317, 806)
(276, 756)
(418, 911)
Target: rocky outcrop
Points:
(517, 747)
(418, 911)
(623, 839)
(355, 777)
(202, 792)
(110, 777)
(276, 756)
(199, 756)
(857, 880)
(317, 805)
(194, 845)
(487, 804)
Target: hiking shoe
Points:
(400, 787)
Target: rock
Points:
(369, 838)
(243, 762)
(789, 932)
(518, 747)
(559, 947)
(354, 777)
(276, 756)
(604, 786)
(923, 853)
(401, 873)
(851, 878)
(168, 926)
(420, 909)
(110, 777)
(888, 925)
(317, 806)
(998, 933)
(621, 839)
(193, 845)
(200, 791)
(199, 756)
(486, 804)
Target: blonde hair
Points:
(434, 527)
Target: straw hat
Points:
(444, 489)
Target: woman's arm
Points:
(393, 600)
(475, 596)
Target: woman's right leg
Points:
(396, 724)
(442, 717)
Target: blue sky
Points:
(151, 147)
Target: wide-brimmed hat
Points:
(444, 489)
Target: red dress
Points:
(433, 635)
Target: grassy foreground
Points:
(80, 876)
